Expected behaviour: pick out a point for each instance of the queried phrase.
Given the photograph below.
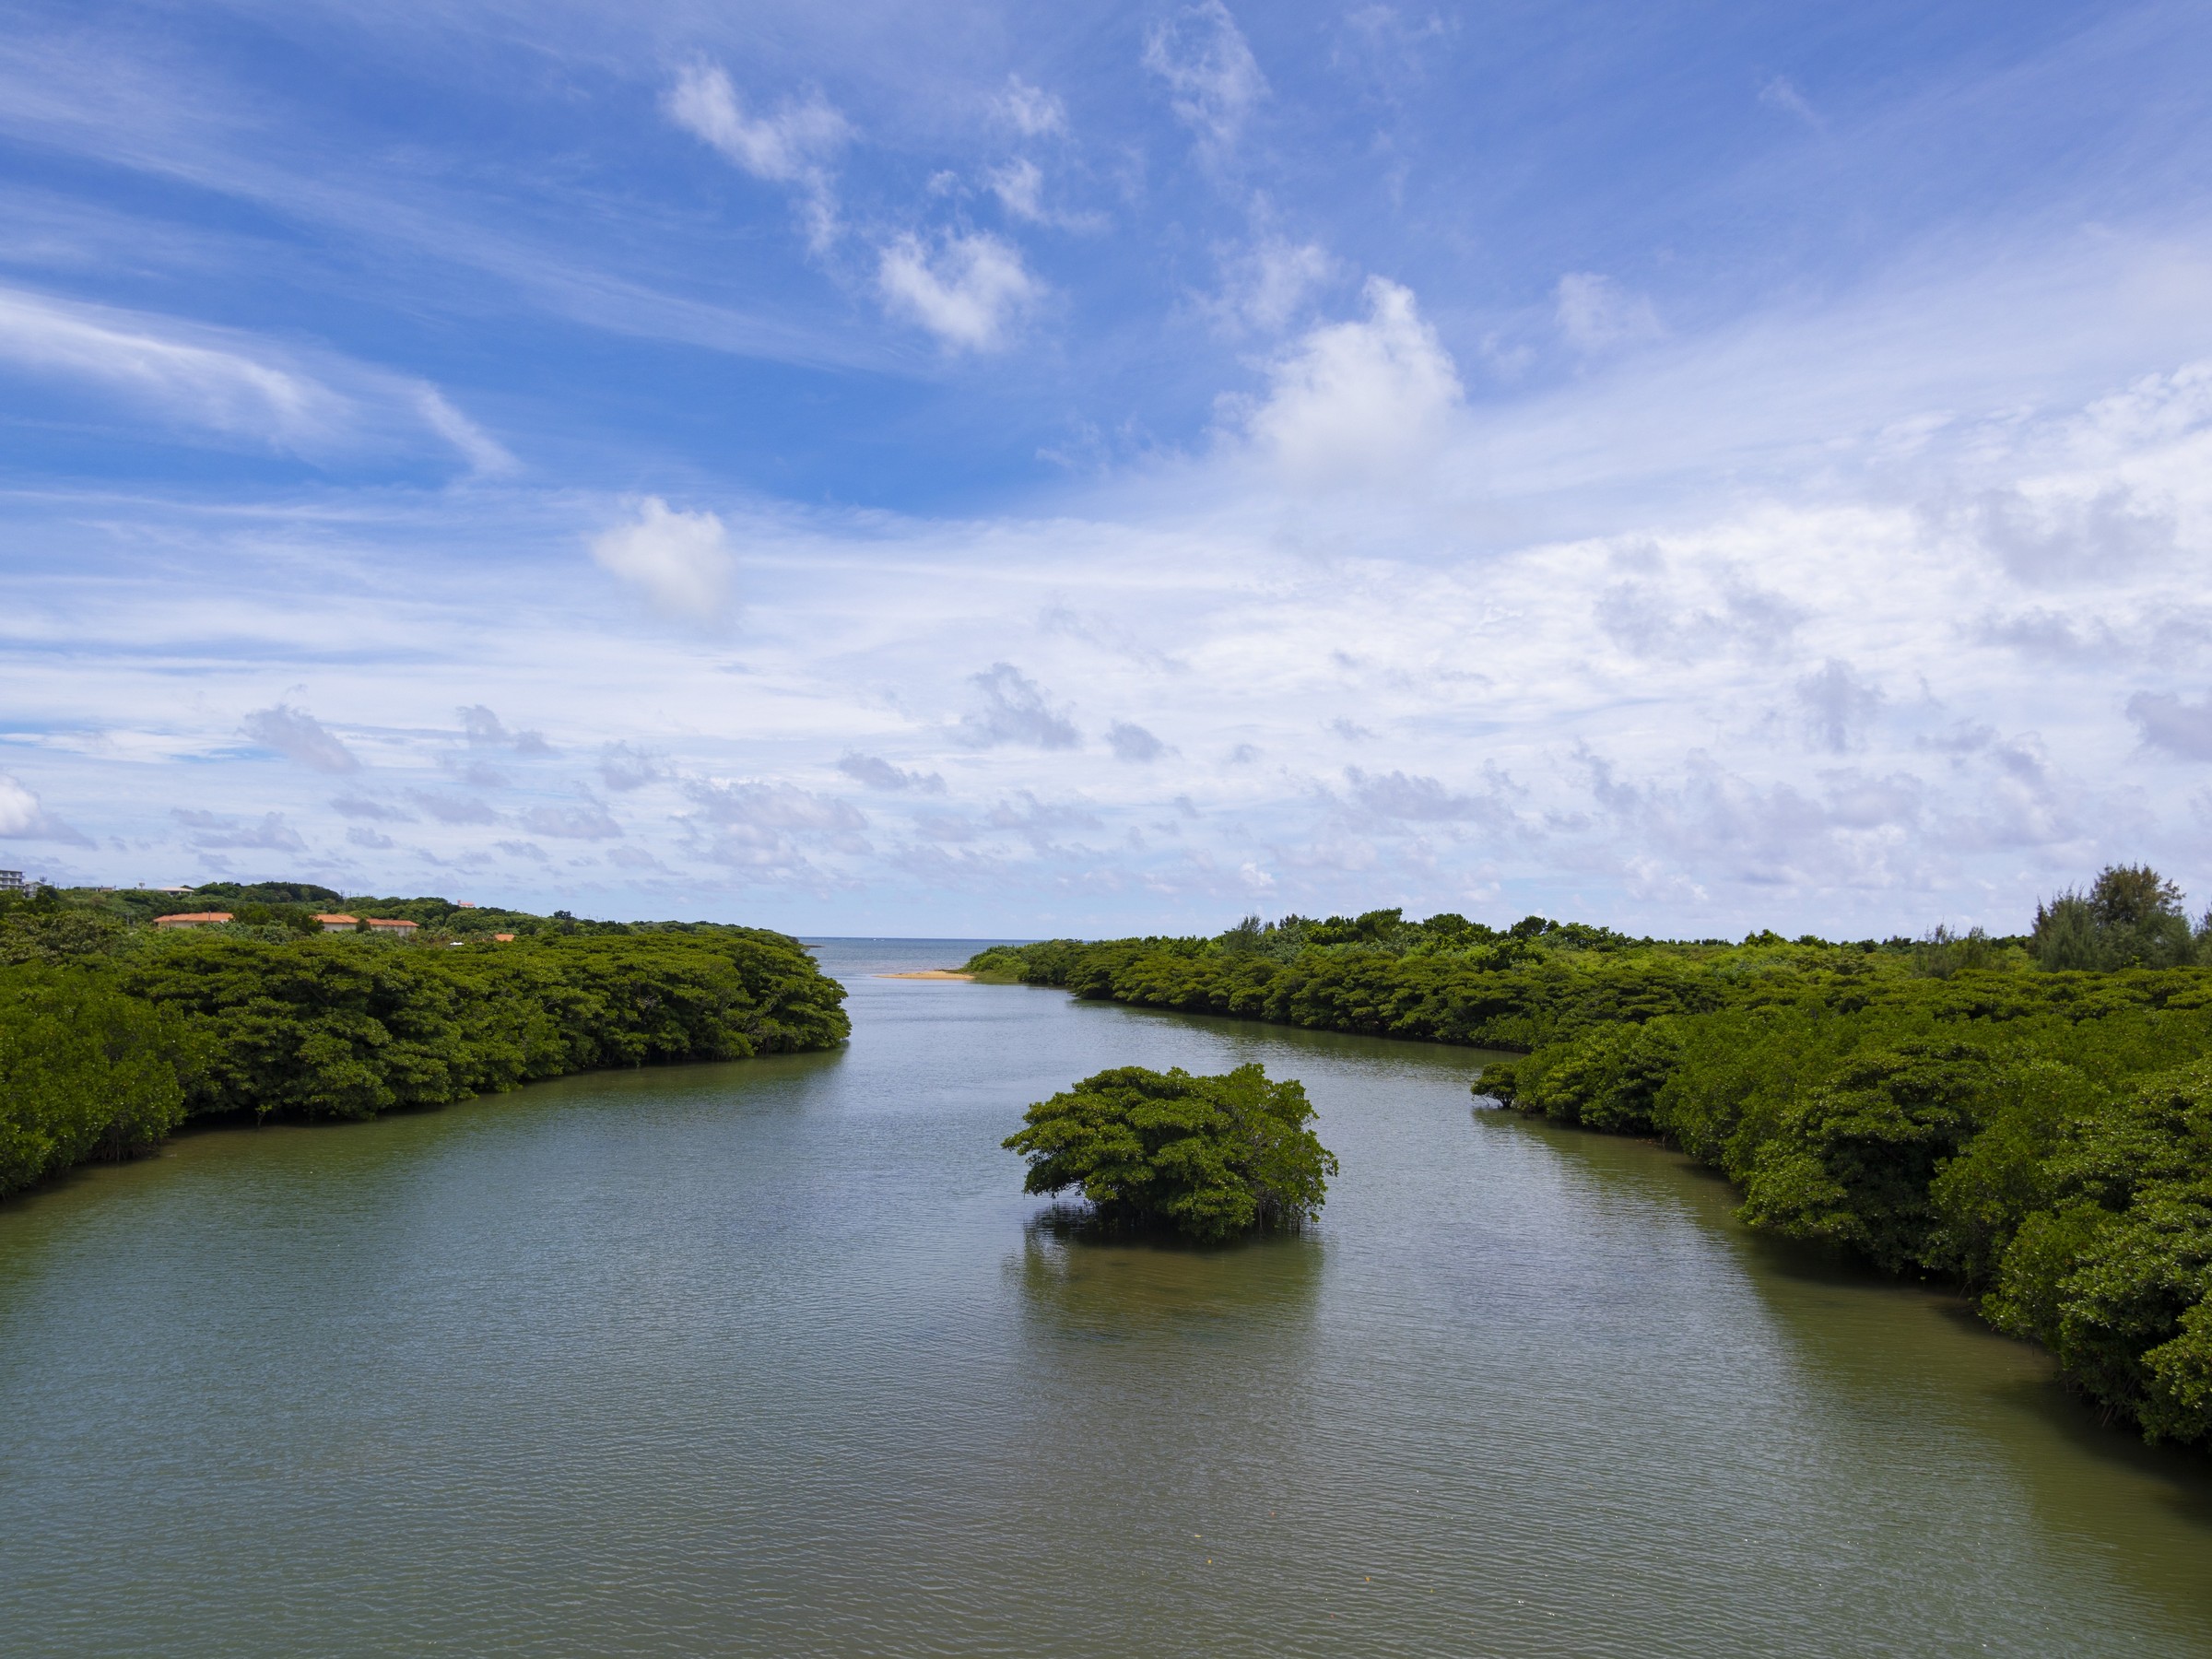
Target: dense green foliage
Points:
(1207, 1157)
(2031, 1117)
(110, 1034)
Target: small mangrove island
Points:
(1204, 1158)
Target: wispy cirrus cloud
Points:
(794, 145)
(1213, 80)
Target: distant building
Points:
(464, 905)
(338, 924)
(194, 919)
(504, 938)
(393, 925)
(11, 881)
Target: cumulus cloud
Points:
(969, 290)
(1413, 798)
(1213, 80)
(375, 840)
(758, 827)
(1030, 110)
(483, 729)
(298, 736)
(625, 766)
(1836, 703)
(1848, 828)
(681, 561)
(1133, 743)
(1596, 314)
(362, 806)
(2168, 723)
(794, 147)
(875, 773)
(213, 830)
(2052, 537)
(772, 806)
(1359, 400)
(1651, 619)
(587, 821)
(452, 809)
(22, 818)
(1014, 711)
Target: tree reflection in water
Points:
(1086, 1282)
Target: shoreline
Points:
(928, 974)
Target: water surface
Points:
(773, 1357)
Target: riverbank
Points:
(101, 1055)
(2043, 1140)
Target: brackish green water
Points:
(769, 1359)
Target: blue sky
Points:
(1073, 469)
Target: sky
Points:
(973, 470)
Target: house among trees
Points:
(194, 919)
(338, 924)
(393, 925)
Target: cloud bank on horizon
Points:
(1111, 468)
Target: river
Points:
(773, 1357)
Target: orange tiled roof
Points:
(194, 916)
(337, 921)
(391, 921)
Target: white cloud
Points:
(969, 291)
(680, 560)
(361, 807)
(1030, 110)
(1020, 186)
(1015, 710)
(1778, 92)
(1361, 400)
(22, 818)
(483, 729)
(223, 381)
(1213, 80)
(454, 810)
(1837, 702)
(2168, 723)
(625, 766)
(794, 146)
(779, 806)
(588, 821)
(1270, 282)
(875, 773)
(2057, 535)
(298, 736)
(483, 453)
(1130, 742)
(1596, 314)
(215, 831)
(200, 382)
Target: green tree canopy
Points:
(1209, 1158)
